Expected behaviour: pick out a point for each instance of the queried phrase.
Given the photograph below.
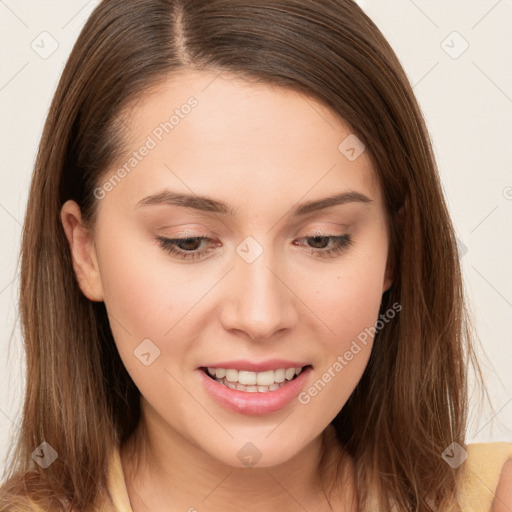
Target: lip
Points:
(257, 403)
(252, 366)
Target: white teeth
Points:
(247, 378)
(220, 373)
(232, 375)
(254, 381)
(250, 389)
(289, 373)
(265, 378)
(279, 375)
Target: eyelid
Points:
(332, 229)
(327, 229)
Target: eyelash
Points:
(341, 243)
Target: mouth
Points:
(254, 382)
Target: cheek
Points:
(347, 301)
(133, 293)
(349, 306)
(145, 299)
(347, 296)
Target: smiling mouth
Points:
(254, 382)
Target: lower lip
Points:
(256, 403)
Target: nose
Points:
(260, 300)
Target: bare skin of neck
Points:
(312, 487)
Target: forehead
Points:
(216, 134)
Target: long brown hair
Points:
(412, 401)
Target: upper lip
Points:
(256, 366)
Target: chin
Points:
(257, 451)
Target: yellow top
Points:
(482, 473)
(483, 469)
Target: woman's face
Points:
(271, 279)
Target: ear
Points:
(388, 277)
(83, 251)
(391, 264)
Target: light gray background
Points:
(466, 99)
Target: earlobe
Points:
(388, 278)
(83, 251)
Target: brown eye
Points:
(186, 248)
(320, 244)
(189, 248)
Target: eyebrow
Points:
(207, 204)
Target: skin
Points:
(503, 499)
(261, 150)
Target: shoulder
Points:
(486, 472)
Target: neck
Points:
(164, 471)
